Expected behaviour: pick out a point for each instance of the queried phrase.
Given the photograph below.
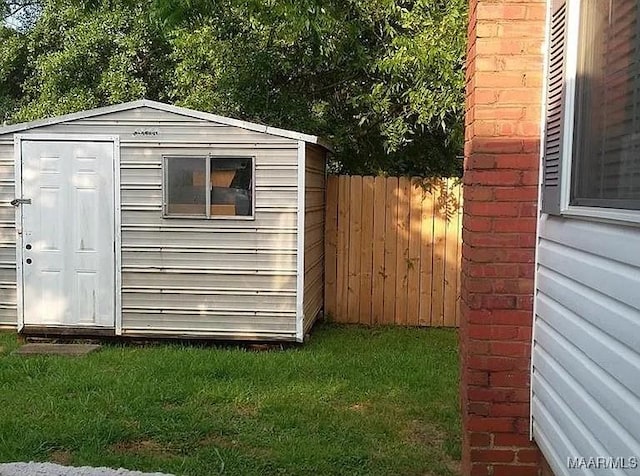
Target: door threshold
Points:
(83, 331)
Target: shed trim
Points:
(167, 108)
(300, 241)
(18, 220)
(117, 236)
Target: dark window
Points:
(231, 193)
(606, 145)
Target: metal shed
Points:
(145, 219)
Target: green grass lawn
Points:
(351, 401)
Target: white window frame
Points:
(566, 209)
(207, 159)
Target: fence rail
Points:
(392, 251)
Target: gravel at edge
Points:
(51, 469)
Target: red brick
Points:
(519, 96)
(501, 12)
(536, 12)
(510, 409)
(497, 145)
(494, 240)
(479, 470)
(509, 379)
(511, 316)
(494, 270)
(519, 162)
(481, 394)
(497, 209)
(515, 470)
(521, 29)
(497, 364)
(473, 223)
(479, 193)
(493, 177)
(479, 408)
(491, 424)
(479, 439)
(509, 439)
(531, 177)
(512, 349)
(525, 225)
(493, 456)
(488, 111)
(528, 456)
(482, 331)
(529, 209)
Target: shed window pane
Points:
(186, 186)
(231, 190)
(606, 159)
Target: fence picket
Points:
(379, 222)
(366, 251)
(355, 235)
(330, 245)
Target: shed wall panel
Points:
(586, 352)
(314, 234)
(255, 251)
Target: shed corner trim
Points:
(300, 242)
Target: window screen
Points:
(606, 158)
(209, 187)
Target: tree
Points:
(382, 79)
(79, 55)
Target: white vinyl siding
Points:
(314, 235)
(224, 278)
(586, 354)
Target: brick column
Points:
(504, 99)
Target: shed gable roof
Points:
(167, 108)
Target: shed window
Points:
(208, 187)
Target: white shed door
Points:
(68, 233)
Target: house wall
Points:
(314, 234)
(586, 356)
(502, 135)
(228, 278)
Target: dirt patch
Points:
(420, 433)
(219, 441)
(62, 457)
(360, 407)
(145, 447)
(246, 409)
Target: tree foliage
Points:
(382, 79)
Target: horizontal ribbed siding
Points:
(314, 235)
(586, 355)
(8, 311)
(226, 278)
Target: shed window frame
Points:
(207, 216)
(590, 211)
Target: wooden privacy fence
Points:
(392, 251)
